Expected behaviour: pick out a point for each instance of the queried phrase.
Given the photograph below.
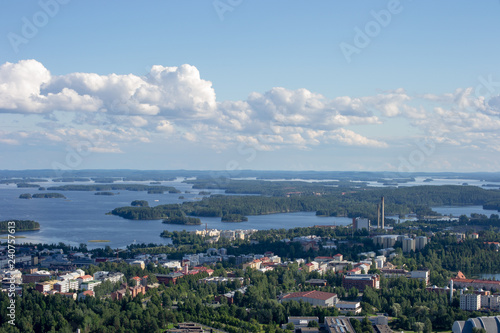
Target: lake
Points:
(82, 216)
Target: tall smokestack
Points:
(383, 214)
(451, 291)
(378, 216)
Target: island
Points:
(403, 200)
(25, 196)
(186, 220)
(48, 196)
(112, 187)
(19, 225)
(139, 203)
(234, 218)
(170, 213)
(27, 185)
(104, 193)
(71, 179)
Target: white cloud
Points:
(28, 87)
(114, 109)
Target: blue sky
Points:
(250, 84)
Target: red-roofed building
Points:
(355, 270)
(496, 244)
(133, 291)
(144, 280)
(318, 298)
(136, 280)
(361, 281)
(338, 257)
(85, 278)
(89, 293)
(476, 284)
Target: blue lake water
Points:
(82, 216)
(463, 210)
(489, 276)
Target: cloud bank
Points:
(175, 103)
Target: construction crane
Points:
(118, 252)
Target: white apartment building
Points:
(470, 302)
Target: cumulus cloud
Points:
(175, 102)
(28, 87)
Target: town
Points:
(316, 279)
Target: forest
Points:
(48, 196)
(113, 187)
(257, 310)
(363, 203)
(20, 225)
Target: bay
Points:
(81, 217)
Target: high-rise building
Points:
(470, 302)
(408, 245)
(420, 242)
(361, 223)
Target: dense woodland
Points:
(19, 225)
(258, 310)
(48, 196)
(113, 187)
(353, 203)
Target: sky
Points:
(405, 86)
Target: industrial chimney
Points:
(383, 215)
(378, 216)
(451, 291)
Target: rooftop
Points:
(311, 294)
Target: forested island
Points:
(48, 196)
(42, 196)
(115, 187)
(187, 220)
(234, 218)
(19, 225)
(71, 179)
(398, 201)
(139, 203)
(104, 193)
(22, 180)
(27, 185)
(170, 213)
